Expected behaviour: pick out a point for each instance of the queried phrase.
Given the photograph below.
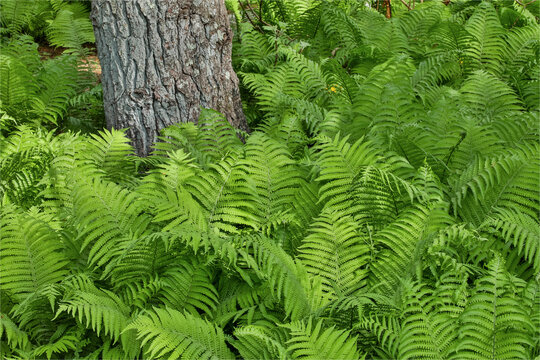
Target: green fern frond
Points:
(402, 241)
(64, 344)
(96, 309)
(16, 338)
(489, 98)
(16, 14)
(531, 297)
(232, 203)
(339, 163)
(237, 297)
(520, 230)
(24, 49)
(312, 341)
(171, 334)
(17, 84)
(494, 324)
(189, 287)
(70, 31)
(287, 278)
(109, 151)
(30, 253)
(107, 216)
(256, 342)
(427, 332)
(164, 191)
(210, 141)
(25, 158)
(270, 167)
(508, 181)
(486, 48)
(387, 329)
(57, 82)
(336, 251)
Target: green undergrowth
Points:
(385, 205)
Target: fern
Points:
(494, 323)
(62, 345)
(225, 207)
(401, 241)
(256, 342)
(428, 332)
(31, 253)
(96, 309)
(171, 334)
(312, 341)
(336, 251)
(485, 51)
(16, 338)
(521, 231)
(195, 286)
(106, 217)
(287, 279)
(517, 190)
(270, 166)
(392, 165)
(70, 30)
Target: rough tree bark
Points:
(161, 61)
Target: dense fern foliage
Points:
(55, 93)
(386, 205)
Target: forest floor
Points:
(91, 61)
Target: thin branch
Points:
(407, 5)
(249, 18)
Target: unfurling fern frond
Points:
(171, 334)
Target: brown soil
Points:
(90, 62)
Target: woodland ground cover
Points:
(384, 207)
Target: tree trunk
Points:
(161, 61)
(388, 9)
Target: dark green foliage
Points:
(56, 93)
(385, 207)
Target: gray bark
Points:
(161, 61)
